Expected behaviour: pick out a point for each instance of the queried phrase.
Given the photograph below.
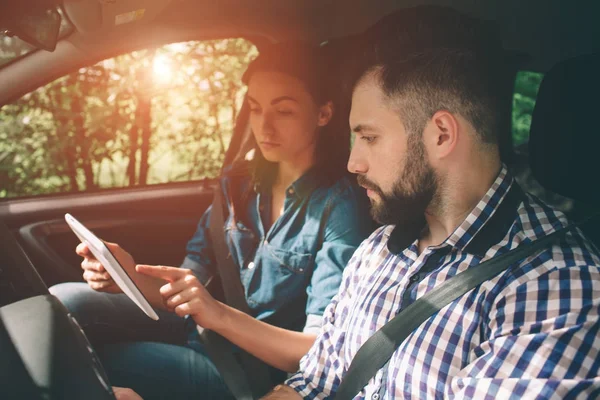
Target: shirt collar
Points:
(471, 225)
(304, 185)
(482, 212)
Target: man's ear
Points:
(325, 113)
(441, 134)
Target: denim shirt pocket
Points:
(292, 261)
(281, 278)
(242, 243)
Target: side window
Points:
(527, 85)
(151, 116)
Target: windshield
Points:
(11, 47)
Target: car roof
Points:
(542, 31)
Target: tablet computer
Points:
(112, 266)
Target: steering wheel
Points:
(45, 354)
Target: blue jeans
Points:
(151, 357)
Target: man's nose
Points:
(357, 164)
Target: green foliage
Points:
(526, 87)
(150, 116)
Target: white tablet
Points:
(112, 266)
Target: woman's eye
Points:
(254, 110)
(285, 112)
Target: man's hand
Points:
(94, 272)
(125, 394)
(185, 295)
(282, 392)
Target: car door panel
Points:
(153, 224)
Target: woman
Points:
(293, 219)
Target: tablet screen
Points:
(111, 264)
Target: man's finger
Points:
(169, 274)
(125, 394)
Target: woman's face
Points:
(284, 117)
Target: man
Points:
(425, 115)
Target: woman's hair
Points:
(313, 68)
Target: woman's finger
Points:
(96, 276)
(169, 274)
(93, 265)
(184, 296)
(99, 285)
(179, 285)
(83, 250)
(191, 307)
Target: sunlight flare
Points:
(162, 69)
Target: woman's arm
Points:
(278, 347)
(185, 295)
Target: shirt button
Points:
(414, 278)
(291, 191)
(251, 265)
(375, 396)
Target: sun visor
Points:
(90, 16)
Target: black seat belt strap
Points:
(249, 377)
(226, 267)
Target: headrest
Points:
(564, 143)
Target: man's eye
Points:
(368, 139)
(285, 112)
(254, 110)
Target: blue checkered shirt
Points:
(531, 332)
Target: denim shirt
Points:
(301, 257)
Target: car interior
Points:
(45, 353)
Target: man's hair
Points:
(312, 66)
(428, 59)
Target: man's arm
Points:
(543, 340)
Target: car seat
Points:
(565, 136)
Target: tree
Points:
(526, 87)
(150, 116)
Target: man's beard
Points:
(411, 194)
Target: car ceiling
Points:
(545, 30)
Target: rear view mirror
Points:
(37, 26)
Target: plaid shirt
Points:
(531, 332)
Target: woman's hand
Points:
(94, 272)
(185, 295)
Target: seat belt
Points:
(246, 376)
(378, 349)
